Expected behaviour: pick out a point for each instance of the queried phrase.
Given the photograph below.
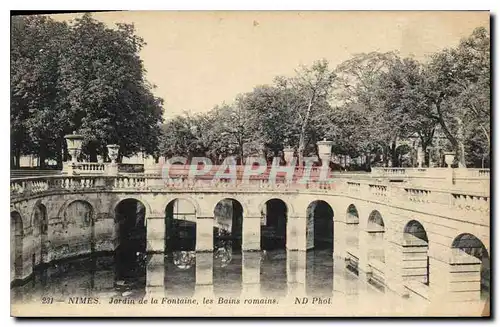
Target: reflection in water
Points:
(180, 273)
(227, 273)
(319, 273)
(271, 273)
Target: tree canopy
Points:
(79, 76)
(374, 105)
(87, 77)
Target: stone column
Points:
(339, 238)
(296, 273)
(250, 271)
(251, 233)
(155, 226)
(296, 234)
(204, 274)
(204, 234)
(155, 275)
(394, 263)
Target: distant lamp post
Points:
(74, 142)
(113, 152)
(288, 154)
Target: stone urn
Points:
(113, 152)
(288, 154)
(74, 142)
(448, 158)
(325, 151)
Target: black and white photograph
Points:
(250, 163)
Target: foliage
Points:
(84, 77)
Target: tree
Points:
(102, 80)
(83, 77)
(355, 91)
(403, 105)
(313, 85)
(458, 82)
(36, 112)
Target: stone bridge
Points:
(418, 232)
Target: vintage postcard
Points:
(260, 163)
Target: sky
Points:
(200, 59)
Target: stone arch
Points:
(352, 230)
(147, 207)
(467, 245)
(180, 224)
(242, 200)
(320, 215)
(16, 249)
(289, 207)
(79, 224)
(228, 223)
(375, 221)
(190, 199)
(77, 207)
(40, 223)
(352, 214)
(130, 218)
(274, 223)
(415, 246)
(376, 231)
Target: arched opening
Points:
(352, 238)
(472, 246)
(180, 226)
(228, 214)
(180, 246)
(273, 225)
(16, 249)
(416, 245)
(319, 237)
(273, 267)
(320, 226)
(40, 230)
(376, 251)
(227, 270)
(131, 252)
(79, 221)
(376, 230)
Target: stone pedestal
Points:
(251, 233)
(155, 226)
(204, 234)
(296, 234)
(111, 169)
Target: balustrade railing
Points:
(457, 201)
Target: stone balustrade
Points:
(455, 201)
(90, 168)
